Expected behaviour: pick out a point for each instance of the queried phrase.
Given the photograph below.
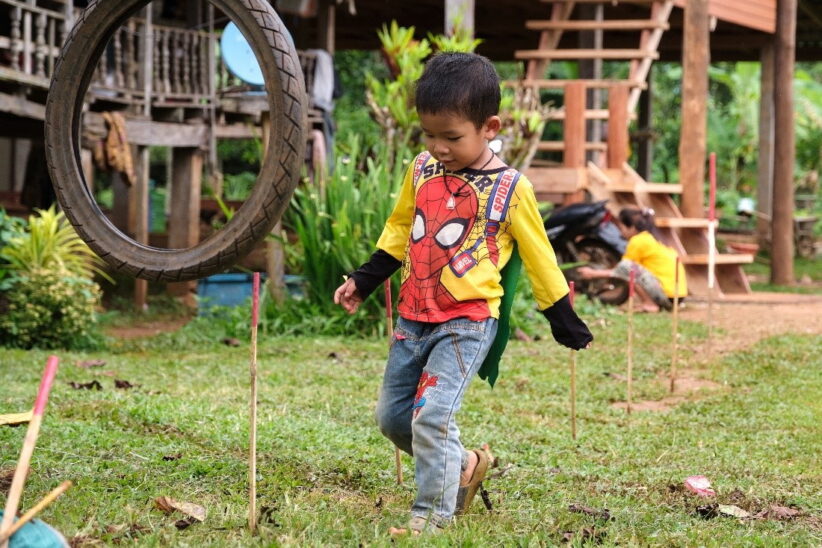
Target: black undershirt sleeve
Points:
(568, 329)
(374, 272)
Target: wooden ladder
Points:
(624, 187)
(649, 31)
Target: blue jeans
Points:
(429, 368)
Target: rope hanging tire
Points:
(278, 175)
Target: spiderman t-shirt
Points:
(455, 231)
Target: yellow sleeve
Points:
(394, 237)
(547, 280)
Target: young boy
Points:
(458, 216)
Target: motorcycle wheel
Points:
(611, 291)
(278, 175)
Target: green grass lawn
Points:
(326, 476)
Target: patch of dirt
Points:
(741, 321)
(148, 329)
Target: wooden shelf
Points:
(721, 258)
(572, 54)
(682, 222)
(553, 146)
(559, 84)
(612, 24)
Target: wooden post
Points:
(140, 194)
(184, 219)
(462, 11)
(782, 247)
(592, 69)
(327, 26)
(764, 185)
(692, 140)
(617, 126)
(275, 256)
(574, 131)
(645, 146)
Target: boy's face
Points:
(455, 141)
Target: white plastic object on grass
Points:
(699, 485)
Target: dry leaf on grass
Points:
(169, 505)
(604, 514)
(733, 511)
(124, 385)
(86, 364)
(6, 477)
(230, 341)
(93, 385)
(84, 541)
(699, 485)
(774, 511)
(15, 419)
(176, 456)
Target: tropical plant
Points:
(50, 308)
(10, 227)
(51, 243)
(337, 226)
(523, 117)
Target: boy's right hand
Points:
(348, 296)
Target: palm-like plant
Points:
(51, 243)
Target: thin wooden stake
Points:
(252, 451)
(573, 366)
(36, 509)
(711, 252)
(630, 375)
(20, 473)
(675, 334)
(389, 328)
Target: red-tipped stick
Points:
(252, 451)
(20, 473)
(573, 365)
(675, 334)
(631, 282)
(389, 328)
(711, 252)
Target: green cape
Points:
(510, 276)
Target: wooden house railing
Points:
(180, 59)
(30, 38)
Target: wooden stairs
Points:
(595, 158)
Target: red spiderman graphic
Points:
(446, 211)
(426, 381)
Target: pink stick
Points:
(571, 293)
(712, 173)
(255, 299)
(45, 385)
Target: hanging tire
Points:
(278, 175)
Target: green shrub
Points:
(10, 227)
(50, 309)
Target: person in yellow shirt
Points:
(459, 217)
(653, 263)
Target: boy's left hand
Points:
(348, 296)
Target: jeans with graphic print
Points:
(429, 368)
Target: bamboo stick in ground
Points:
(711, 252)
(36, 509)
(20, 473)
(573, 371)
(389, 328)
(252, 452)
(630, 375)
(675, 328)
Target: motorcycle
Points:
(586, 233)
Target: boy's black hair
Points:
(462, 83)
